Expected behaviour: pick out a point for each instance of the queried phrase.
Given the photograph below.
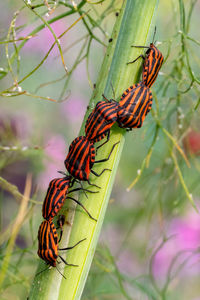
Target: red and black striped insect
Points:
(134, 105)
(153, 61)
(48, 244)
(81, 158)
(56, 194)
(101, 119)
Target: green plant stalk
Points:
(132, 27)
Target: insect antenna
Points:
(154, 34)
(63, 173)
(113, 91)
(60, 272)
(83, 189)
(42, 271)
(104, 97)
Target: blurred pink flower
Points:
(187, 231)
(128, 263)
(56, 147)
(113, 237)
(185, 239)
(43, 40)
(56, 151)
(80, 74)
(73, 109)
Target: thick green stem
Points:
(132, 27)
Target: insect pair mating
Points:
(130, 112)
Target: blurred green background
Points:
(149, 245)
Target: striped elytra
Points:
(101, 119)
(48, 243)
(134, 105)
(152, 64)
(56, 194)
(80, 158)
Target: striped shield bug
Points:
(48, 245)
(48, 242)
(134, 105)
(81, 158)
(153, 61)
(101, 119)
(56, 194)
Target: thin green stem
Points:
(53, 20)
(182, 181)
(53, 33)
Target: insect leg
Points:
(66, 263)
(92, 184)
(98, 175)
(131, 62)
(105, 159)
(69, 248)
(108, 138)
(79, 203)
(60, 223)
